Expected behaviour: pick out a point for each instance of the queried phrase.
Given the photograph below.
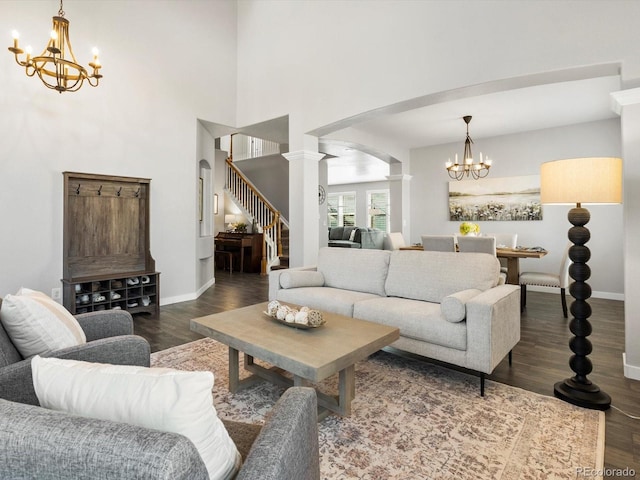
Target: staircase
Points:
(265, 216)
(284, 257)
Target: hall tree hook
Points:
(78, 190)
(100, 190)
(119, 191)
(136, 193)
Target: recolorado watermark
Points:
(589, 472)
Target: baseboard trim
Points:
(594, 294)
(630, 371)
(187, 296)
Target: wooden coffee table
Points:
(309, 355)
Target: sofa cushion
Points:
(37, 324)
(454, 306)
(431, 276)
(416, 319)
(329, 299)
(343, 244)
(335, 233)
(358, 270)
(160, 398)
(346, 233)
(299, 278)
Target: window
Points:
(378, 209)
(341, 209)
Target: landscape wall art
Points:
(495, 199)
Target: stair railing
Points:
(263, 212)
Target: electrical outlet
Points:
(55, 293)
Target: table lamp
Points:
(577, 181)
(229, 219)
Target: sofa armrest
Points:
(16, 383)
(287, 446)
(107, 323)
(40, 443)
(372, 239)
(274, 279)
(493, 323)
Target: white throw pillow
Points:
(160, 398)
(37, 324)
(454, 308)
(301, 278)
(352, 235)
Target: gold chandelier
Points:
(54, 67)
(459, 170)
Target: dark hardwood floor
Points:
(539, 360)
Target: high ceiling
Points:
(494, 114)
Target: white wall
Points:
(522, 154)
(141, 121)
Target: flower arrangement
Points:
(468, 228)
(239, 227)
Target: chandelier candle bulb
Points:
(15, 36)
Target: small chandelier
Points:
(57, 70)
(477, 170)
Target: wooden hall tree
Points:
(107, 261)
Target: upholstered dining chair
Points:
(439, 243)
(504, 240)
(393, 241)
(477, 244)
(541, 279)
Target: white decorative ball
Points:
(272, 307)
(301, 317)
(290, 318)
(282, 312)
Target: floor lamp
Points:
(577, 181)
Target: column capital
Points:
(399, 177)
(303, 155)
(623, 98)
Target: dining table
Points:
(512, 255)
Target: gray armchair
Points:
(41, 444)
(110, 339)
(36, 443)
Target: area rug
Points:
(415, 420)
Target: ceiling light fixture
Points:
(57, 70)
(477, 170)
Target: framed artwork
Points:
(495, 199)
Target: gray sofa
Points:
(448, 306)
(356, 237)
(41, 444)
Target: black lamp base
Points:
(583, 395)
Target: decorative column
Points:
(400, 200)
(304, 232)
(626, 103)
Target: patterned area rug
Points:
(415, 420)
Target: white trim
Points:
(630, 371)
(303, 155)
(594, 294)
(402, 176)
(187, 296)
(623, 98)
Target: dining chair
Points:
(504, 240)
(541, 279)
(439, 243)
(477, 244)
(393, 241)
